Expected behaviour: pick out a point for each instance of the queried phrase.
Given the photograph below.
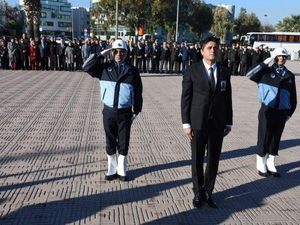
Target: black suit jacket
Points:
(199, 104)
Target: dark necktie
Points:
(212, 79)
(120, 69)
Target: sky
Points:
(268, 11)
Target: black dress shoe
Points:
(111, 177)
(123, 178)
(210, 202)
(197, 202)
(274, 174)
(262, 174)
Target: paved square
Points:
(53, 162)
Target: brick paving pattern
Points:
(53, 162)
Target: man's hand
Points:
(106, 52)
(227, 130)
(189, 132)
(269, 60)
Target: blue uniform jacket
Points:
(118, 91)
(277, 88)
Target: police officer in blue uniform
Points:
(121, 93)
(278, 98)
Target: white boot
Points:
(122, 167)
(261, 165)
(271, 166)
(111, 167)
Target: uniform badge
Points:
(223, 85)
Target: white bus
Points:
(288, 40)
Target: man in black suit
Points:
(206, 110)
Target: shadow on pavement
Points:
(238, 199)
(246, 196)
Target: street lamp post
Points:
(117, 12)
(177, 19)
(72, 23)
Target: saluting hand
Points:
(106, 52)
(269, 61)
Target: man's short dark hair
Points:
(208, 39)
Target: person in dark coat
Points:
(156, 50)
(53, 54)
(185, 51)
(255, 56)
(24, 50)
(61, 48)
(233, 60)
(164, 58)
(4, 55)
(245, 57)
(139, 55)
(26, 41)
(77, 55)
(130, 57)
(148, 57)
(206, 112)
(174, 51)
(195, 54)
(44, 54)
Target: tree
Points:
(14, 20)
(289, 24)
(153, 13)
(132, 13)
(33, 12)
(222, 23)
(199, 26)
(246, 23)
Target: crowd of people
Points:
(148, 56)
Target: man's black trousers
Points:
(209, 140)
(117, 124)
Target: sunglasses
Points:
(121, 51)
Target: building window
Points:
(47, 23)
(65, 9)
(53, 15)
(64, 24)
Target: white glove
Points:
(269, 60)
(133, 117)
(106, 52)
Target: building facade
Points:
(81, 22)
(56, 17)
